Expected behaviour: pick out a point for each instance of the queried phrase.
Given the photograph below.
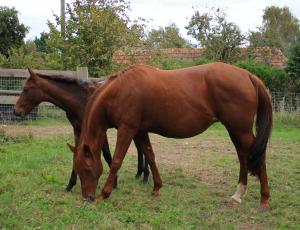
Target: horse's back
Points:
(185, 102)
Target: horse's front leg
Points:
(73, 177)
(107, 156)
(124, 138)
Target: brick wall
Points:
(273, 57)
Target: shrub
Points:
(203, 61)
(274, 78)
(167, 63)
(293, 65)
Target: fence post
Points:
(82, 73)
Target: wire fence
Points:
(11, 83)
(286, 102)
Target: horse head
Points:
(30, 97)
(89, 168)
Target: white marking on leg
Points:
(240, 192)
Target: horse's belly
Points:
(182, 127)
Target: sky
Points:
(247, 14)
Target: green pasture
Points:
(199, 176)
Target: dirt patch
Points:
(194, 156)
(37, 131)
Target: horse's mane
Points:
(68, 80)
(132, 67)
(77, 82)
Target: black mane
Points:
(123, 71)
(62, 79)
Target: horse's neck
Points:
(70, 98)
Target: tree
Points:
(41, 42)
(279, 29)
(27, 56)
(221, 39)
(95, 29)
(167, 37)
(293, 64)
(12, 32)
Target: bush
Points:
(274, 78)
(167, 63)
(203, 61)
(28, 56)
(293, 65)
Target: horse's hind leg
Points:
(140, 166)
(146, 171)
(143, 166)
(264, 189)
(242, 143)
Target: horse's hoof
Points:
(155, 193)
(144, 181)
(236, 199)
(264, 208)
(99, 198)
(68, 189)
(115, 185)
(138, 175)
(89, 199)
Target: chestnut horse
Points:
(70, 95)
(179, 104)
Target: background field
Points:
(199, 175)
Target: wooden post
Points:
(82, 73)
(63, 18)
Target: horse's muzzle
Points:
(18, 113)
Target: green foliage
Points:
(221, 39)
(171, 63)
(94, 30)
(12, 32)
(41, 44)
(28, 56)
(274, 78)
(203, 61)
(293, 65)
(279, 28)
(167, 37)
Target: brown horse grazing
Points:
(71, 96)
(180, 104)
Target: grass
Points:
(44, 122)
(199, 176)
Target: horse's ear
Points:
(32, 74)
(72, 148)
(87, 151)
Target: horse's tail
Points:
(264, 120)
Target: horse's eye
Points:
(25, 90)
